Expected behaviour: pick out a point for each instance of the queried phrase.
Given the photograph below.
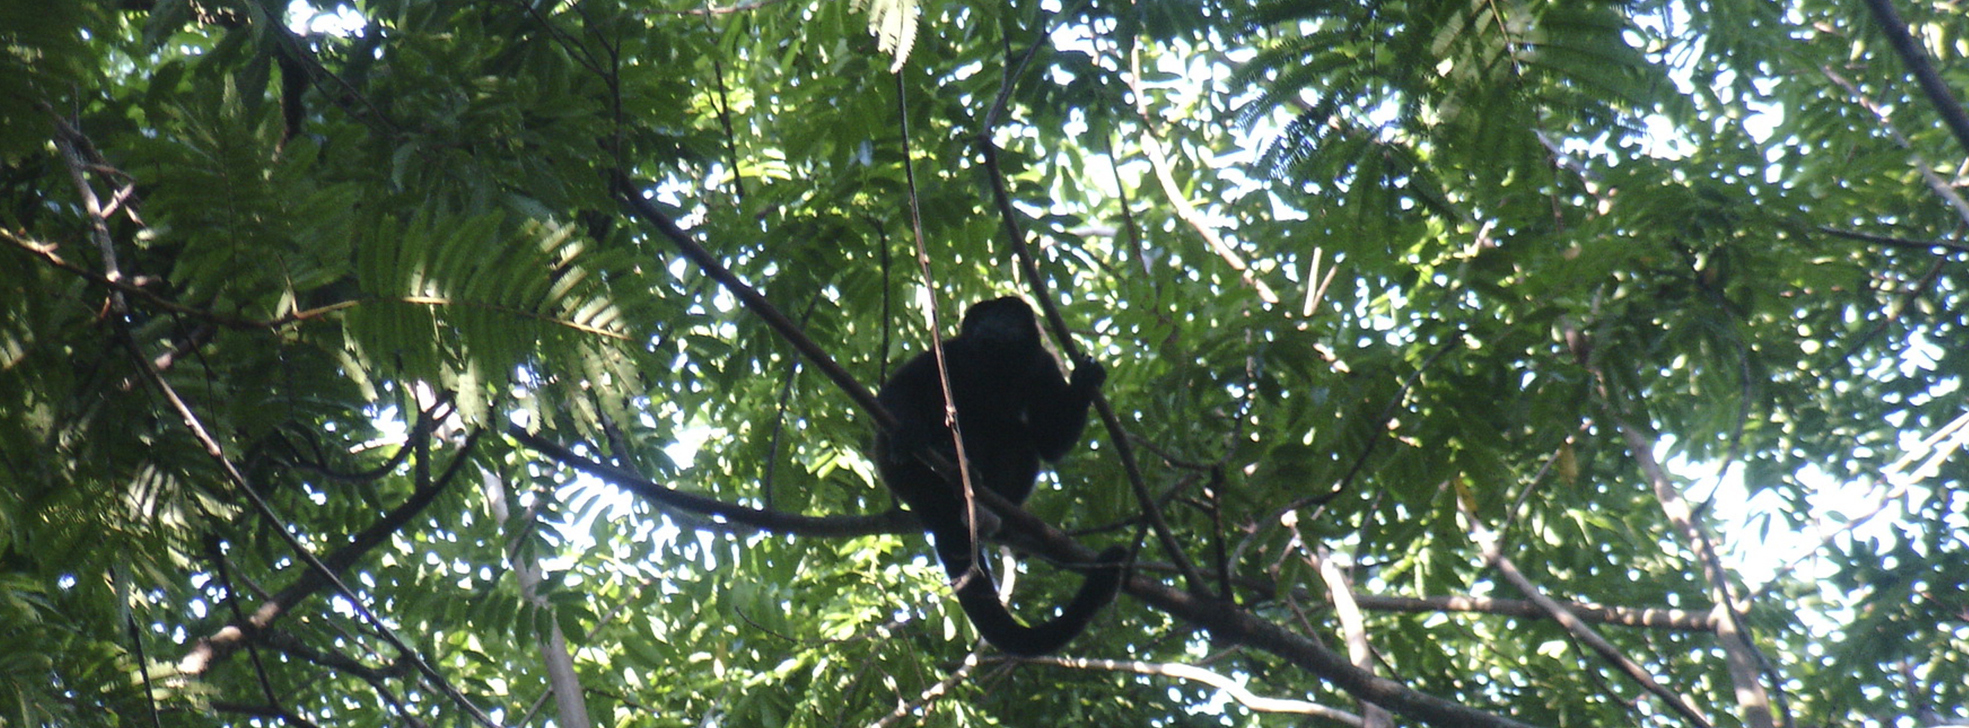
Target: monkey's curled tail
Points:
(979, 596)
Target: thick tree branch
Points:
(562, 678)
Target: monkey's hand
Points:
(1088, 375)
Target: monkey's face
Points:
(1003, 322)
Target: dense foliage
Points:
(409, 362)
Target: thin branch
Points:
(69, 141)
(957, 676)
(338, 90)
(1215, 492)
(1231, 687)
(1925, 246)
(630, 195)
(1029, 265)
(731, 513)
(1166, 178)
(1641, 617)
(1124, 450)
(1352, 627)
(1493, 553)
(287, 644)
(224, 570)
(443, 302)
(581, 55)
(120, 288)
(137, 649)
(1013, 72)
(725, 117)
(322, 572)
(1128, 218)
(1939, 186)
(1739, 655)
(779, 411)
(1924, 72)
(966, 485)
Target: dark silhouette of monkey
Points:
(1014, 410)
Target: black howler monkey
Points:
(1014, 410)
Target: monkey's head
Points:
(1003, 322)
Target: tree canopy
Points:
(507, 362)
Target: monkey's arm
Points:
(1057, 411)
